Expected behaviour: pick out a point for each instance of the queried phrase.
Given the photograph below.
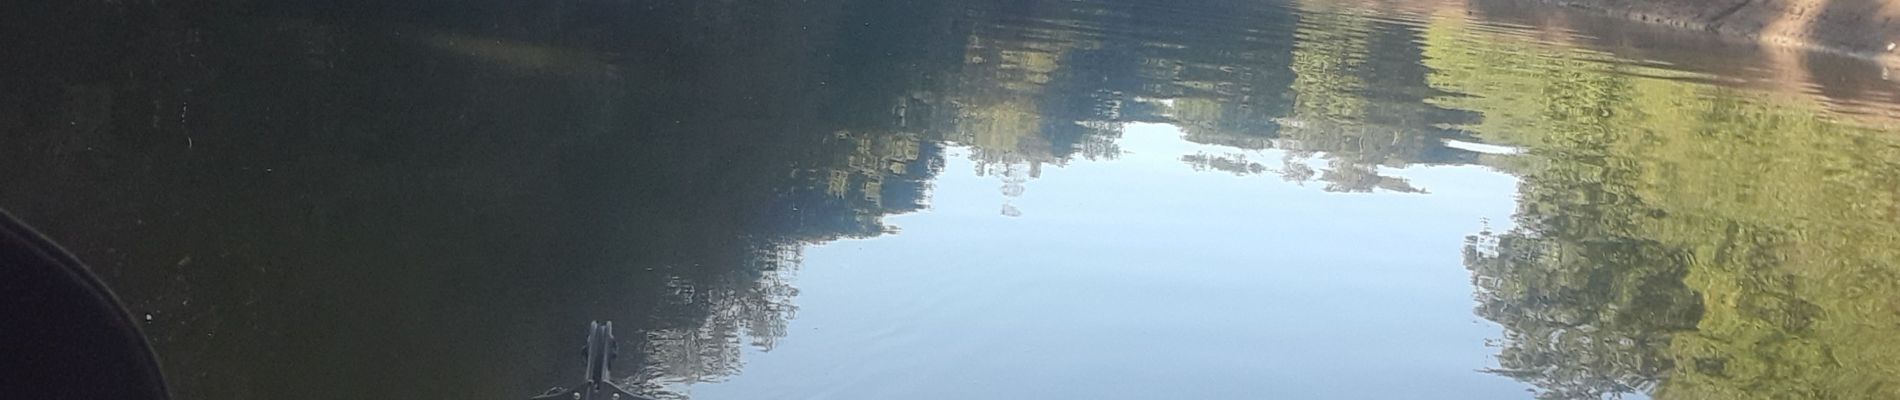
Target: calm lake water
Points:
(942, 199)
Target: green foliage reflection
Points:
(1679, 239)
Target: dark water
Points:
(861, 199)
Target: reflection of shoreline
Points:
(1854, 87)
(1855, 28)
(301, 173)
(1678, 237)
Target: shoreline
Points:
(1866, 29)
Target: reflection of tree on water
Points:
(303, 181)
(1013, 176)
(327, 195)
(1359, 98)
(750, 309)
(1026, 93)
(1000, 109)
(1677, 239)
(1235, 163)
(1042, 89)
(503, 171)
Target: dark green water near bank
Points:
(963, 199)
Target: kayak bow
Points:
(598, 384)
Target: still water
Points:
(857, 199)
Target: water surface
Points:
(846, 199)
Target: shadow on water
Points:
(371, 205)
(357, 199)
